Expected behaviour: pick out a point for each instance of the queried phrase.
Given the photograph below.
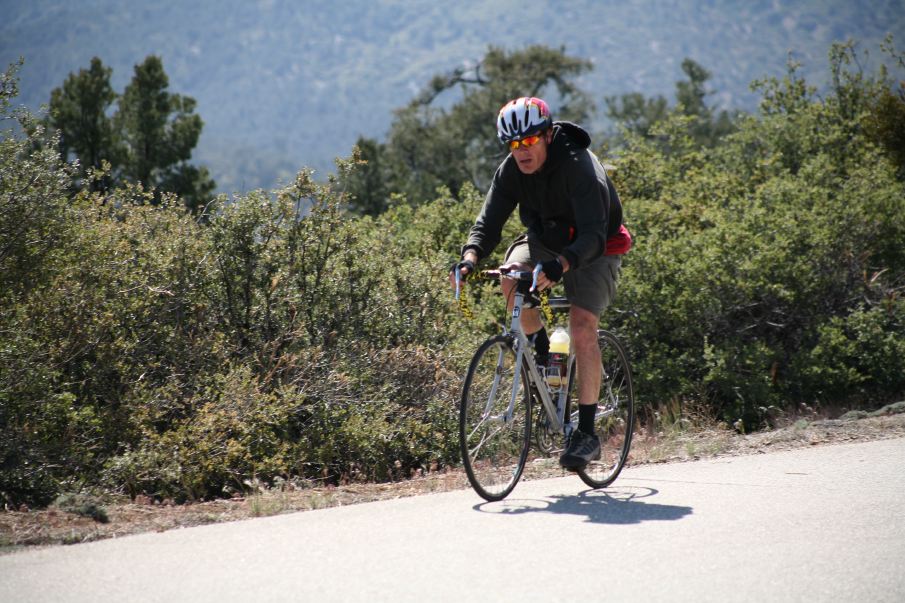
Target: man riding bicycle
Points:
(573, 218)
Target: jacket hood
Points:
(578, 135)
(568, 140)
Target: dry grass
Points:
(692, 438)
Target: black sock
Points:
(586, 413)
(541, 345)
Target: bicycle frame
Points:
(495, 425)
(555, 409)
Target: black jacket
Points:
(569, 205)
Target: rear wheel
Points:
(546, 437)
(494, 443)
(615, 413)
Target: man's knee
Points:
(583, 324)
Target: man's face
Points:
(531, 158)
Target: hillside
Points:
(284, 84)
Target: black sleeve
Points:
(498, 206)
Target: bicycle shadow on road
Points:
(611, 506)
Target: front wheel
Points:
(493, 440)
(615, 413)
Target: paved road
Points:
(820, 524)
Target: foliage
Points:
(149, 139)
(157, 353)
(635, 113)
(884, 123)
(279, 337)
(160, 130)
(638, 115)
(33, 223)
(84, 505)
(432, 146)
(763, 264)
(79, 112)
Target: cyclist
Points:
(573, 218)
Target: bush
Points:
(282, 338)
(755, 259)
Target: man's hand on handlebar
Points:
(549, 273)
(462, 269)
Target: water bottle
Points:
(559, 356)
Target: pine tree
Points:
(159, 131)
(78, 112)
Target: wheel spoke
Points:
(494, 440)
(615, 414)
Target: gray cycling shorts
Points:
(591, 286)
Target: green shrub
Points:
(281, 338)
(755, 258)
(82, 504)
(858, 358)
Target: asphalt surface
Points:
(818, 524)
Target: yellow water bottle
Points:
(559, 356)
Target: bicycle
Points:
(501, 385)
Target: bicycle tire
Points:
(494, 451)
(615, 419)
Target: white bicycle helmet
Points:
(523, 117)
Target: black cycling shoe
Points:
(582, 449)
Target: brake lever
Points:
(537, 271)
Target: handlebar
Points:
(548, 304)
(518, 275)
(496, 275)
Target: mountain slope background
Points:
(281, 84)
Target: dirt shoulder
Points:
(82, 519)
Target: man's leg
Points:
(530, 317)
(592, 286)
(584, 444)
(521, 255)
(587, 354)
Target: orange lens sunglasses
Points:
(528, 141)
